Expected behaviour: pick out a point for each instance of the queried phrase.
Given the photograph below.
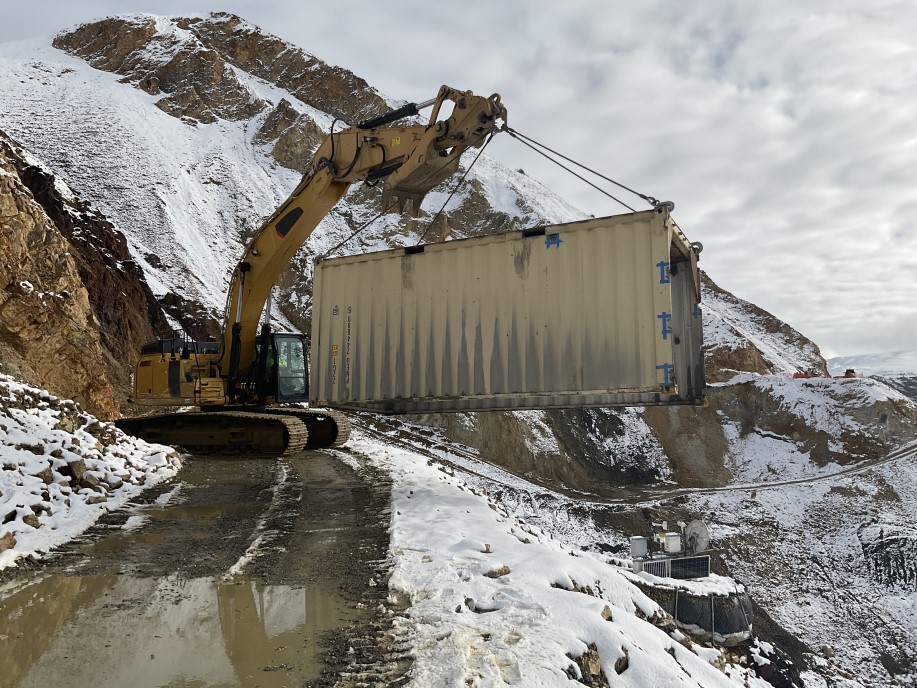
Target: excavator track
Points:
(327, 428)
(266, 433)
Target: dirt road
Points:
(238, 572)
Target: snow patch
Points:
(61, 469)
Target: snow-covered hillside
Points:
(188, 192)
(186, 161)
(491, 599)
(834, 563)
(806, 414)
(497, 602)
(897, 369)
(739, 336)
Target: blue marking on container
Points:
(552, 240)
(666, 368)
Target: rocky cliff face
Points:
(191, 62)
(48, 332)
(75, 306)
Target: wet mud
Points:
(236, 573)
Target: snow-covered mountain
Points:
(739, 336)
(185, 132)
(885, 364)
(188, 132)
(897, 369)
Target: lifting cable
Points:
(440, 211)
(536, 146)
(435, 217)
(384, 211)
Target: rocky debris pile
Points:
(61, 468)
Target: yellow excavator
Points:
(241, 384)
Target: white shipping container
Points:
(603, 312)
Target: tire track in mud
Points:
(249, 531)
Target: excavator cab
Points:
(280, 373)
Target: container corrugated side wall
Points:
(579, 314)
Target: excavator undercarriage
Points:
(267, 417)
(271, 431)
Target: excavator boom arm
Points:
(410, 160)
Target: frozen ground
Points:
(496, 602)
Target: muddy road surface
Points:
(238, 572)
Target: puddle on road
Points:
(120, 542)
(145, 632)
(200, 511)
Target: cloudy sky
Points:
(785, 132)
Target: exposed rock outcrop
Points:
(48, 332)
(195, 81)
(292, 135)
(78, 327)
(192, 62)
(890, 550)
(327, 88)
